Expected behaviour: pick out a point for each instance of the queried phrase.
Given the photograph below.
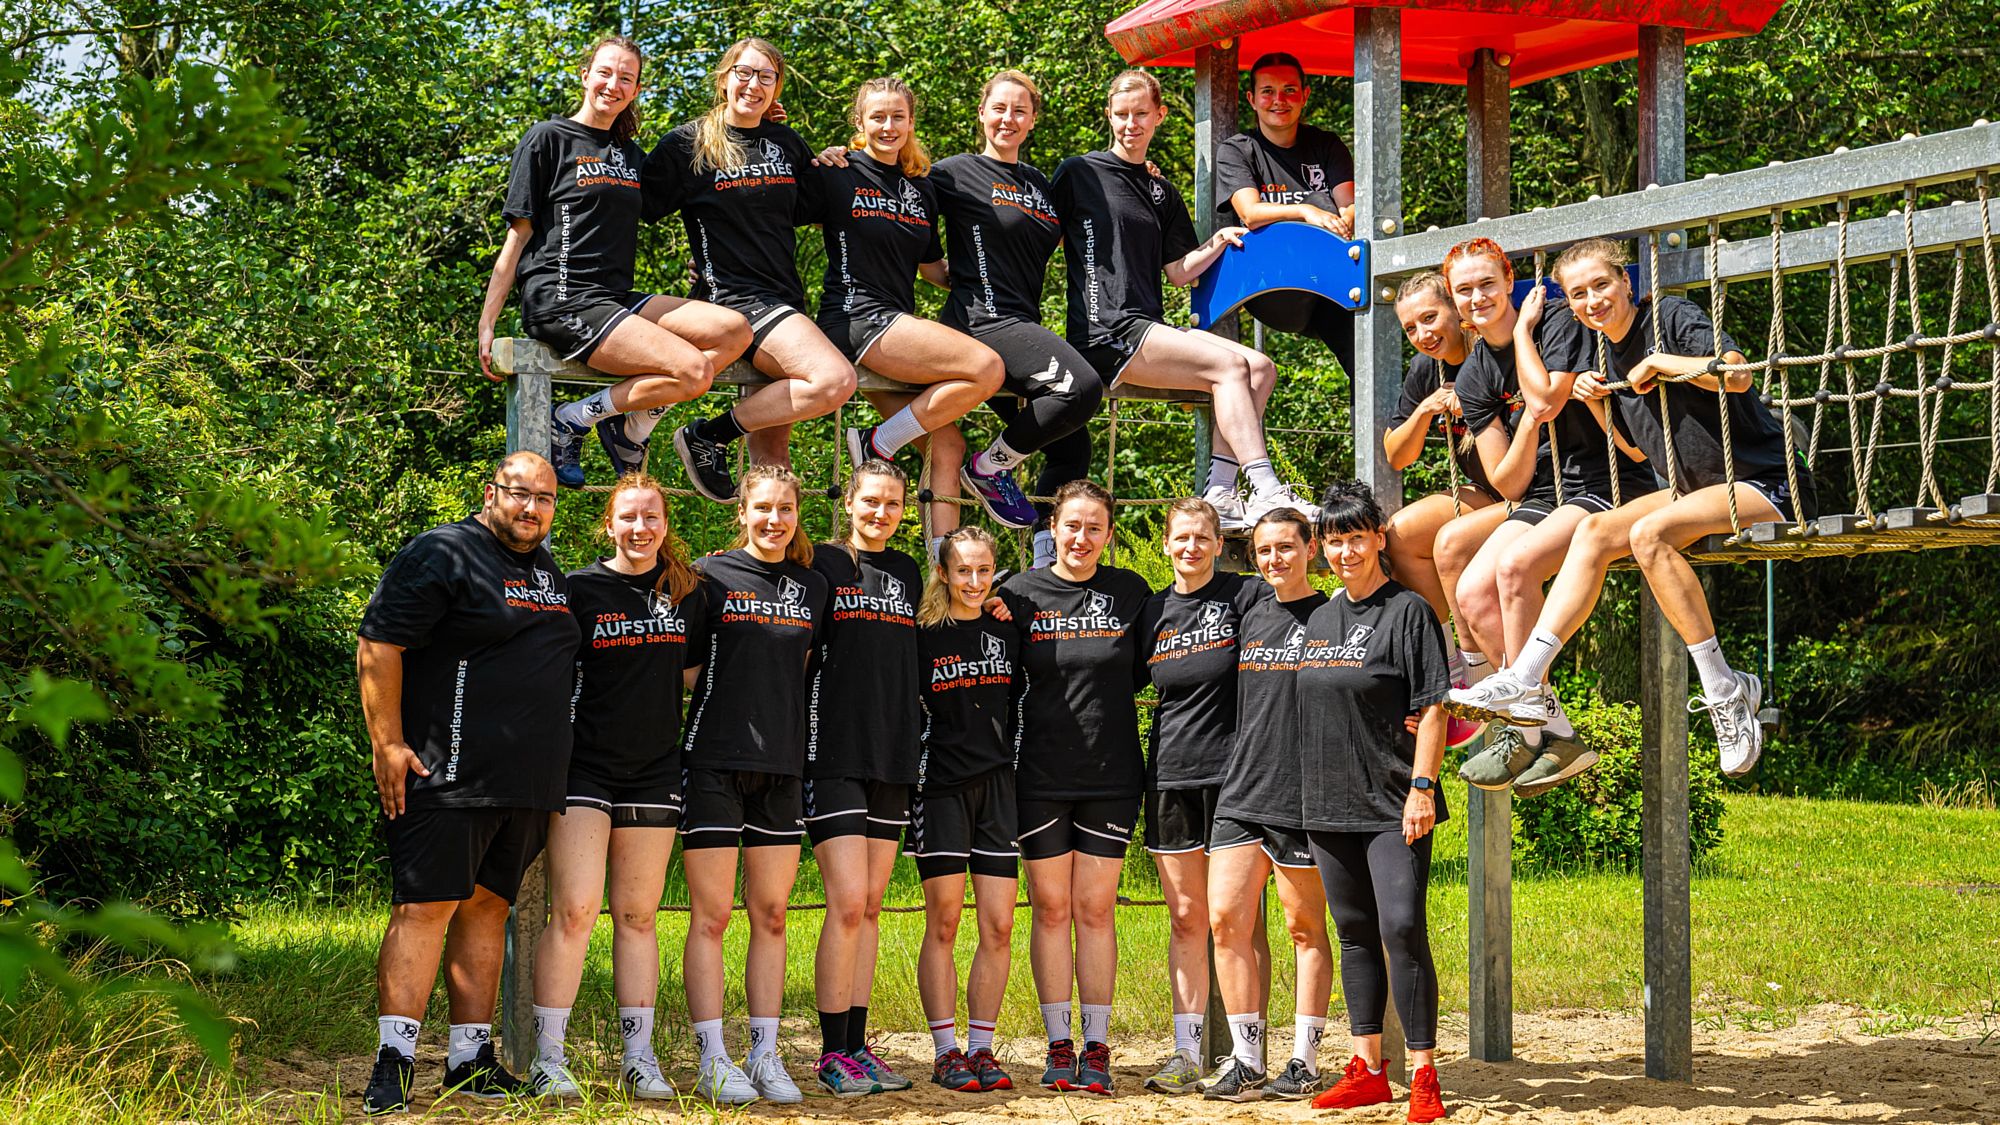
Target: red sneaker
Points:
(1458, 732)
(1426, 1099)
(1357, 1088)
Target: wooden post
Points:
(528, 398)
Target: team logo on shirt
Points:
(660, 624)
(1315, 177)
(1295, 638)
(537, 591)
(772, 153)
(770, 166)
(952, 672)
(996, 649)
(790, 591)
(542, 579)
(1212, 613)
(1096, 604)
(907, 206)
(1157, 190)
(913, 200)
(608, 168)
(891, 607)
(892, 588)
(1215, 630)
(1265, 656)
(1359, 635)
(1096, 619)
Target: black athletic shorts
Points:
(970, 828)
(1102, 827)
(574, 328)
(848, 806)
(1037, 360)
(630, 803)
(1287, 847)
(724, 807)
(1779, 493)
(854, 333)
(440, 855)
(1109, 358)
(1180, 820)
(764, 315)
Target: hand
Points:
(1230, 235)
(1411, 721)
(1439, 401)
(1644, 374)
(1419, 814)
(393, 764)
(1346, 220)
(1589, 385)
(832, 156)
(486, 350)
(1531, 310)
(1327, 221)
(776, 113)
(1153, 170)
(998, 608)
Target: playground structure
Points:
(1848, 386)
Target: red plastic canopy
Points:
(1543, 37)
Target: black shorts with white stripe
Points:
(848, 806)
(1180, 820)
(1101, 827)
(725, 807)
(573, 329)
(649, 803)
(1287, 847)
(970, 827)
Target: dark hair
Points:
(1271, 60)
(1290, 517)
(873, 467)
(1347, 507)
(626, 125)
(1081, 490)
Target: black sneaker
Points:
(1093, 1071)
(482, 1076)
(389, 1084)
(1296, 1083)
(1060, 1071)
(1234, 1083)
(707, 464)
(954, 1072)
(991, 1077)
(566, 450)
(627, 456)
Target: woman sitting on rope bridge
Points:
(1430, 397)
(1664, 343)
(573, 206)
(1532, 358)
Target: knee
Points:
(635, 921)
(768, 918)
(1599, 539)
(1453, 548)
(1649, 543)
(1235, 370)
(1228, 928)
(871, 911)
(708, 926)
(1052, 913)
(997, 932)
(1095, 915)
(988, 374)
(843, 916)
(574, 919)
(422, 915)
(942, 931)
(1404, 935)
(1516, 574)
(1306, 933)
(1188, 922)
(834, 385)
(1476, 595)
(1086, 392)
(734, 335)
(702, 379)
(1263, 374)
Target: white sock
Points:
(944, 1036)
(1262, 477)
(465, 1041)
(1307, 1031)
(587, 412)
(1558, 725)
(1454, 665)
(1055, 1020)
(708, 1042)
(639, 424)
(901, 429)
(997, 457)
(1187, 1033)
(399, 1032)
(551, 1028)
(1533, 665)
(1096, 1023)
(636, 1026)
(1246, 1036)
(978, 1036)
(1222, 473)
(936, 543)
(763, 1037)
(1717, 681)
(1477, 667)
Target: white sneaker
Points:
(768, 1076)
(552, 1079)
(1541, 708)
(1498, 698)
(1228, 504)
(1738, 735)
(724, 1083)
(642, 1080)
(1284, 497)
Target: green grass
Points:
(1888, 908)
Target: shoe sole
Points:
(1284, 1097)
(1168, 1090)
(1472, 712)
(1583, 762)
(1003, 1083)
(856, 454)
(694, 482)
(836, 1093)
(1245, 1096)
(637, 1096)
(965, 478)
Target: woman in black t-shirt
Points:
(1372, 657)
(1081, 773)
(746, 751)
(1123, 226)
(962, 817)
(1654, 528)
(740, 183)
(573, 209)
(639, 611)
(861, 759)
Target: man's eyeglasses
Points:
(525, 497)
(754, 74)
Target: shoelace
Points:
(1722, 714)
(648, 1070)
(845, 1065)
(1062, 1056)
(1097, 1058)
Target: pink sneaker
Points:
(1458, 732)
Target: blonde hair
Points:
(1609, 251)
(1134, 79)
(677, 580)
(1428, 283)
(935, 608)
(714, 148)
(873, 467)
(914, 159)
(1018, 78)
(799, 548)
(1198, 508)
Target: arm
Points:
(1405, 443)
(1653, 366)
(937, 273)
(1509, 462)
(497, 288)
(379, 666)
(1183, 272)
(1541, 385)
(1420, 809)
(1255, 213)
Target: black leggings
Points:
(1375, 891)
(1306, 314)
(1062, 392)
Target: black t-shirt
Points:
(580, 189)
(879, 225)
(739, 220)
(1755, 434)
(1307, 172)
(1425, 376)
(1262, 782)
(1190, 644)
(1366, 667)
(1121, 226)
(764, 620)
(865, 721)
(1000, 228)
(626, 705)
(488, 647)
(1080, 726)
(972, 699)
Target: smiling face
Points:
(970, 576)
(1600, 294)
(875, 509)
(1432, 325)
(1006, 117)
(1282, 558)
(610, 81)
(520, 502)
(750, 83)
(1482, 290)
(637, 526)
(885, 120)
(1134, 117)
(1355, 556)
(1191, 544)
(1082, 527)
(1278, 94)
(768, 512)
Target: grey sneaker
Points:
(768, 1075)
(552, 1079)
(1507, 754)
(1296, 1083)
(724, 1083)
(1234, 1083)
(843, 1077)
(1179, 1073)
(878, 1070)
(1738, 733)
(1228, 505)
(1562, 759)
(642, 1081)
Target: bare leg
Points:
(937, 970)
(711, 881)
(986, 984)
(810, 380)
(1235, 897)
(1412, 535)
(578, 842)
(1303, 897)
(638, 877)
(1228, 372)
(723, 335)
(475, 945)
(1093, 904)
(768, 874)
(406, 967)
(881, 865)
(1657, 541)
(1479, 615)
(1453, 550)
(1532, 560)
(960, 371)
(843, 866)
(1184, 884)
(1601, 539)
(1050, 954)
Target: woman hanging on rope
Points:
(1430, 398)
(1664, 346)
(1188, 634)
(1372, 657)
(573, 207)
(963, 816)
(861, 759)
(1528, 358)
(1081, 774)
(739, 182)
(746, 751)
(641, 611)
(1123, 226)
(1259, 831)
(880, 230)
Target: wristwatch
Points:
(1424, 784)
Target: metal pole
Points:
(1378, 213)
(1770, 622)
(1488, 178)
(527, 428)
